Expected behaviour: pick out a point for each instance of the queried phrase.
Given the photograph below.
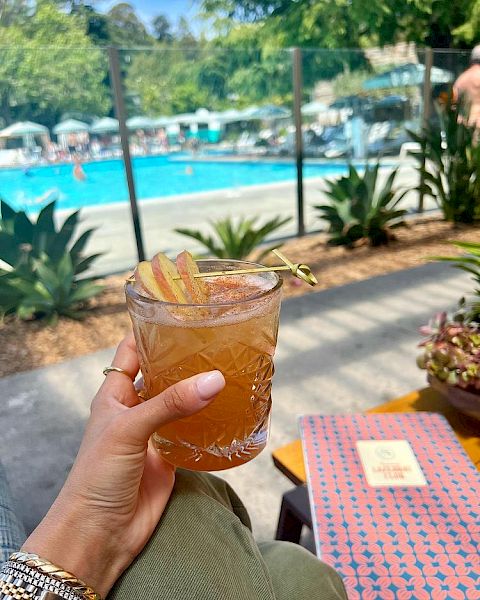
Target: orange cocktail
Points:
(236, 333)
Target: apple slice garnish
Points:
(165, 273)
(196, 288)
(145, 279)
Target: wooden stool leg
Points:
(294, 514)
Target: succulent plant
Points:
(42, 267)
(236, 238)
(360, 208)
(451, 351)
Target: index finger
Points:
(126, 357)
(120, 385)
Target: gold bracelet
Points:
(47, 568)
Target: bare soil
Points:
(26, 345)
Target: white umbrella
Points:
(184, 118)
(26, 130)
(202, 115)
(22, 129)
(268, 112)
(162, 121)
(105, 125)
(313, 108)
(70, 126)
(141, 123)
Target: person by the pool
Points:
(78, 172)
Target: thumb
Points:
(179, 400)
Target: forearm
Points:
(72, 539)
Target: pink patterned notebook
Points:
(397, 520)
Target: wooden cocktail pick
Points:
(301, 271)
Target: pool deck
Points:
(160, 217)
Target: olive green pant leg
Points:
(297, 574)
(202, 549)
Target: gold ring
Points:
(108, 370)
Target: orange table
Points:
(295, 509)
(289, 458)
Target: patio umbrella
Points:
(393, 100)
(313, 108)
(230, 116)
(351, 101)
(141, 123)
(162, 121)
(184, 118)
(406, 75)
(26, 130)
(105, 125)
(202, 115)
(23, 129)
(266, 113)
(70, 126)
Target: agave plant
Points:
(449, 162)
(42, 265)
(360, 209)
(236, 239)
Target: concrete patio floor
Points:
(341, 350)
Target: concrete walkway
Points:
(341, 350)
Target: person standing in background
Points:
(468, 86)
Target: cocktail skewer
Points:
(301, 271)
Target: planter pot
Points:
(463, 400)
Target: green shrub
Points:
(360, 210)
(40, 277)
(236, 239)
(449, 163)
(469, 262)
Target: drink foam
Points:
(236, 288)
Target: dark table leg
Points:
(294, 513)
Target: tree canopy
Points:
(49, 65)
(53, 58)
(355, 23)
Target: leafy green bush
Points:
(42, 265)
(235, 239)
(449, 163)
(360, 210)
(469, 262)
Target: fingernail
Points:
(210, 384)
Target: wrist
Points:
(76, 542)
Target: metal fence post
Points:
(427, 101)
(297, 113)
(120, 113)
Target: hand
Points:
(118, 486)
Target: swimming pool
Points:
(155, 177)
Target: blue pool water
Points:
(155, 177)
